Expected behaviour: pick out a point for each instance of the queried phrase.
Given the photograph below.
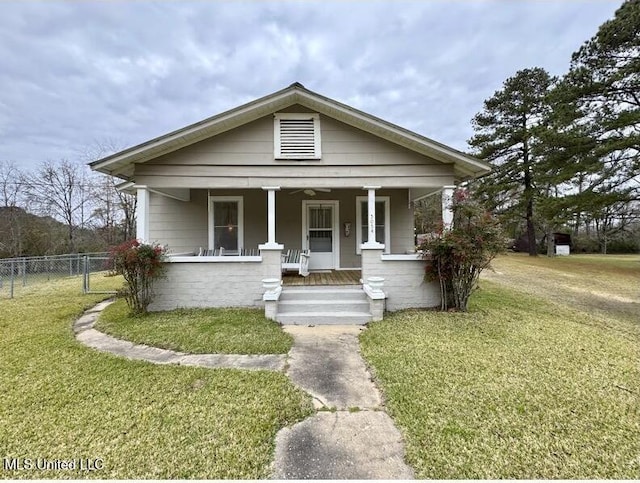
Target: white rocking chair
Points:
(296, 260)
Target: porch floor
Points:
(334, 277)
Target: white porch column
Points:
(271, 253)
(447, 212)
(142, 213)
(271, 216)
(371, 218)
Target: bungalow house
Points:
(235, 195)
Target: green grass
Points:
(198, 331)
(517, 388)
(62, 400)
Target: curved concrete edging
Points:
(85, 333)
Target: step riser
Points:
(316, 306)
(317, 295)
(292, 319)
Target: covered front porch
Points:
(355, 237)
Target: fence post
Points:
(24, 272)
(12, 277)
(85, 274)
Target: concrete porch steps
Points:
(326, 305)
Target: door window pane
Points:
(320, 217)
(320, 241)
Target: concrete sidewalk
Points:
(351, 437)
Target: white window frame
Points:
(211, 221)
(317, 151)
(387, 221)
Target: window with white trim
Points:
(226, 223)
(296, 136)
(383, 230)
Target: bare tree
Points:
(128, 205)
(61, 190)
(11, 220)
(115, 210)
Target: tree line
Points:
(61, 207)
(565, 150)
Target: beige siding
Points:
(243, 158)
(182, 225)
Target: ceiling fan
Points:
(311, 192)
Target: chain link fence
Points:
(17, 274)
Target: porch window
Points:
(383, 232)
(296, 136)
(226, 228)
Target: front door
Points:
(320, 234)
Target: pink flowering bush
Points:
(140, 264)
(457, 256)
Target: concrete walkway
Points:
(85, 333)
(350, 437)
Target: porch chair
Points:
(228, 253)
(296, 260)
(205, 252)
(250, 252)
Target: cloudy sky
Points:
(77, 74)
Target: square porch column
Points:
(271, 217)
(447, 212)
(142, 213)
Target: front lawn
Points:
(517, 388)
(63, 401)
(198, 331)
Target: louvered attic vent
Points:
(297, 136)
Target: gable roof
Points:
(121, 164)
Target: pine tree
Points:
(593, 138)
(507, 135)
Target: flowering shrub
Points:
(140, 264)
(458, 255)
